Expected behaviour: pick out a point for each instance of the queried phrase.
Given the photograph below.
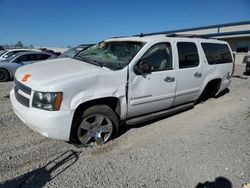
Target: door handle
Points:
(198, 74)
(169, 79)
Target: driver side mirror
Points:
(143, 67)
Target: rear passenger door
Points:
(189, 74)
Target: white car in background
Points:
(9, 53)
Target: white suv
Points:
(84, 99)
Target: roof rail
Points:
(187, 35)
(119, 37)
(205, 36)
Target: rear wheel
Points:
(4, 75)
(95, 126)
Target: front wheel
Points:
(4, 75)
(95, 126)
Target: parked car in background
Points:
(9, 66)
(15, 51)
(74, 51)
(247, 61)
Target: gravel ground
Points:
(203, 146)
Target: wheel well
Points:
(10, 75)
(210, 90)
(112, 102)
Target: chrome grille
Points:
(20, 98)
(23, 100)
(22, 87)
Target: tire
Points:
(4, 75)
(94, 126)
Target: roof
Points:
(21, 49)
(150, 38)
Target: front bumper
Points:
(52, 124)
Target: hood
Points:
(51, 72)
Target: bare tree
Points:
(19, 44)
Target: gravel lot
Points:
(209, 143)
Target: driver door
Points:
(153, 91)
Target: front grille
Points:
(20, 98)
(22, 87)
(23, 100)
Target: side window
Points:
(159, 56)
(217, 53)
(31, 57)
(42, 57)
(22, 58)
(45, 56)
(38, 57)
(188, 55)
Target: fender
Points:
(91, 95)
(209, 78)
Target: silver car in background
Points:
(9, 66)
(9, 53)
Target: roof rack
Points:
(205, 36)
(187, 35)
(119, 37)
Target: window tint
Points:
(45, 56)
(217, 53)
(42, 56)
(188, 55)
(23, 58)
(159, 57)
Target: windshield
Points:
(113, 55)
(11, 56)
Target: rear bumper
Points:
(56, 124)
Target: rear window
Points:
(217, 53)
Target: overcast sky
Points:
(61, 23)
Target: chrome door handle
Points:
(198, 74)
(169, 79)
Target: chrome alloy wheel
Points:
(95, 129)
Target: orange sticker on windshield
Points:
(26, 77)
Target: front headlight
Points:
(47, 100)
